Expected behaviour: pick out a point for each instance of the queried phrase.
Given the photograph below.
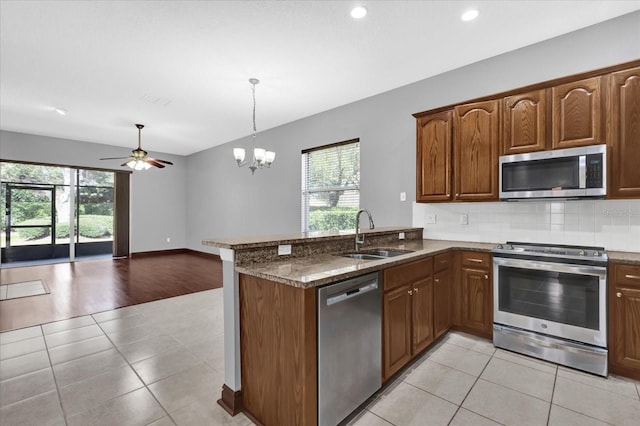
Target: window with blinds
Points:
(331, 186)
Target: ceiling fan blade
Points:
(160, 161)
(153, 162)
(124, 164)
(114, 158)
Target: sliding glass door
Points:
(54, 212)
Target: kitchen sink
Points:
(363, 256)
(376, 254)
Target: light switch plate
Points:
(403, 196)
(401, 236)
(464, 219)
(284, 249)
(431, 218)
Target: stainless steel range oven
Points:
(550, 302)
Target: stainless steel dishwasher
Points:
(349, 346)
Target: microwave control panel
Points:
(594, 170)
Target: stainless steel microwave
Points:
(560, 173)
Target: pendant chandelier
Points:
(261, 157)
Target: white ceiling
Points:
(182, 67)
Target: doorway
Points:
(55, 213)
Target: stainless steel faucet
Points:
(360, 242)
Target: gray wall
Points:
(158, 197)
(225, 201)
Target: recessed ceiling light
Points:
(470, 15)
(60, 111)
(358, 12)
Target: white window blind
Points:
(331, 186)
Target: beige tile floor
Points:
(161, 363)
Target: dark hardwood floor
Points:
(91, 286)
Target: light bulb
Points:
(470, 15)
(258, 154)
(269, 157)
(358, 12)
(238, 153)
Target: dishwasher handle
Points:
(351, 293)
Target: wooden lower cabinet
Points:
(422, 310)
(472, 293)
(397, 329)
(477, 303)
(624, 320)
(278, 343)
(441, 302)
(441, 294)
(407, 313)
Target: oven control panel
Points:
(553, 251)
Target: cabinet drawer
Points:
(626, 274)
(476, 259)
(407, 273)
(441, 262)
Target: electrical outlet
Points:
(403, 196)
(284, 249)
(401, 236)
(168, 239)
(431, 219)
(464, 219)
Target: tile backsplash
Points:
(612, 224)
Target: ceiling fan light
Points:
(138, 165)
(238, 154)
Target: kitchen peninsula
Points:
(270, 311)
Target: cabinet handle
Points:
(415, 289)
(618, 294)
(632, 277)
(475, 260)
(410, 293)
(486, 277)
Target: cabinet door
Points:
(441, 302)
(625, 328)
(477, 302)
(433, 159)
(422, 315)
(397, 329)
(524, 124)
(577, 114)
(624, 173)
(476, 143)
(624, 319)
(456, 290)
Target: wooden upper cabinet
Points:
(624, 136)
(577, 113)
(524, 123)
(476, 144)
(433, 159)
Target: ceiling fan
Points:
(139, 159)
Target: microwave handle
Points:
(582, 170)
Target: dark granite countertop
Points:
(327, 268)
